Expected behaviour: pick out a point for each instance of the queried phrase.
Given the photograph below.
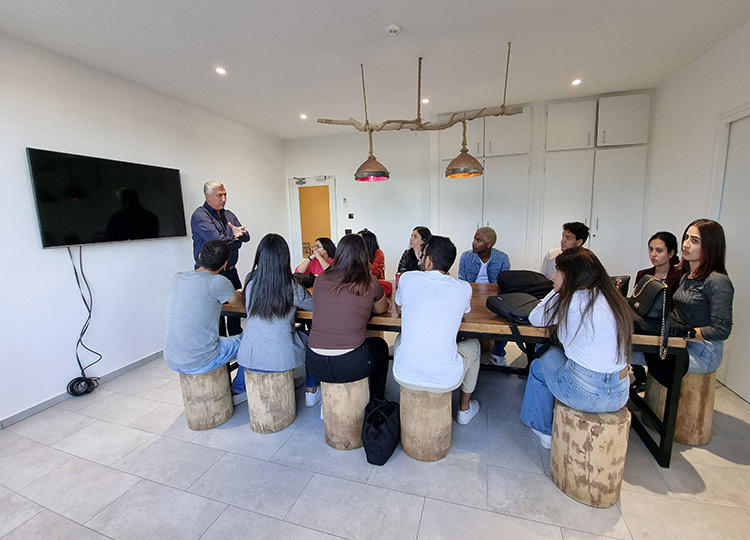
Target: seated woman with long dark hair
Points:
(270, 341)
(419, 238)
(345, 295)
(324, 250)
(374, 254)
(662, 250)
(591, 326)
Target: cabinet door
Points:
(506, 204)
(617, 208)
(571, 124)
(623, 120)
(460, 210)
(507, 135)
(450, 139)
(568, 180)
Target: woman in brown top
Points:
(344, 296)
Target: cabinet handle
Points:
(604, 136)
(586, 221)
(597, 224)
(588, 139)
(490, 149)
(478, 149)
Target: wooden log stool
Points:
(426, 424)
(695, 412)
(344, 412)
(207, 398)
(270, 400)
(588, 454)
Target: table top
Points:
(479, 320)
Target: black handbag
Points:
(381, 430)
(651, 301)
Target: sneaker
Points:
(499, 360)
(464, 417)
(239, 398)
(638, 387)
(544, 439)
(313, 398)
(321, 411)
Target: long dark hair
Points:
(713, 248)
(328, 245)
(371, 243)
(583, 271)
(425, 234)
(670, 241)
(350, 268)
(272, 294)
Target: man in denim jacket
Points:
(482, 265)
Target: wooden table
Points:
(480, 322)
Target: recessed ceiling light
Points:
(425, 101)
(221, 71)
(576, 82)
(303, 116)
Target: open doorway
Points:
(313, 212)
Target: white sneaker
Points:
(239, 398)
(544, 439)
(321, 411)
(313, 398)
(498, 360)
(464, 417)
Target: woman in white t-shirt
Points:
(591, 326)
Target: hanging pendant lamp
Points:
(464, 165)
(371, 170)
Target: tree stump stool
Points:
(695, 412)
(588, 454)
(207, 398)
(270, 400)
(344, 412)
(426, 424)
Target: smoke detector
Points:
(393, 30)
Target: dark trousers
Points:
(368, 360)
(233, 325)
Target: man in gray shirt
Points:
(194, 302)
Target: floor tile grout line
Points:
(298, 496)
(421, 515)
(214, 521)
(41, 509)
(187, 489)
(140, 480)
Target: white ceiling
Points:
(292, 56)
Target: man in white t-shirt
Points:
(432, 304)
(574, 234)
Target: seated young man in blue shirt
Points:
(482, 265)
(194, 300)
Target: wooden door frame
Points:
(295, 227)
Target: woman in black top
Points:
(419, 238)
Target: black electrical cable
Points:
(83, 384)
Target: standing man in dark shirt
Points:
(212, 222)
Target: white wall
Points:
(54, 103)
(390, 209)
(686, 111)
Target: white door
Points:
(460, 210)
(617, 208)
(568, 180)
(506, 205)
(734, 217)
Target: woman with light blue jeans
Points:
(591, 325)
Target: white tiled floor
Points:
(121, 463)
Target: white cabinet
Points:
(623, 120)
(490, 136)
(499, 199)
(571, 124)
(603, 188)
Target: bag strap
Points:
(521, 345)
(665, 323)
(377, 408)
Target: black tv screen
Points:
(84, 200)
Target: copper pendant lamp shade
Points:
(464, 165)
(371, 171)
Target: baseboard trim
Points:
(5, 422)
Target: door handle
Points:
(604, 136)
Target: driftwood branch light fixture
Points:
(463, 166)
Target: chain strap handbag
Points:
(651, 302)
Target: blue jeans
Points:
(553, 375)
(228, 347)
(704, 356)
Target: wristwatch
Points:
(310, 258)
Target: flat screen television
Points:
(84, 200)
